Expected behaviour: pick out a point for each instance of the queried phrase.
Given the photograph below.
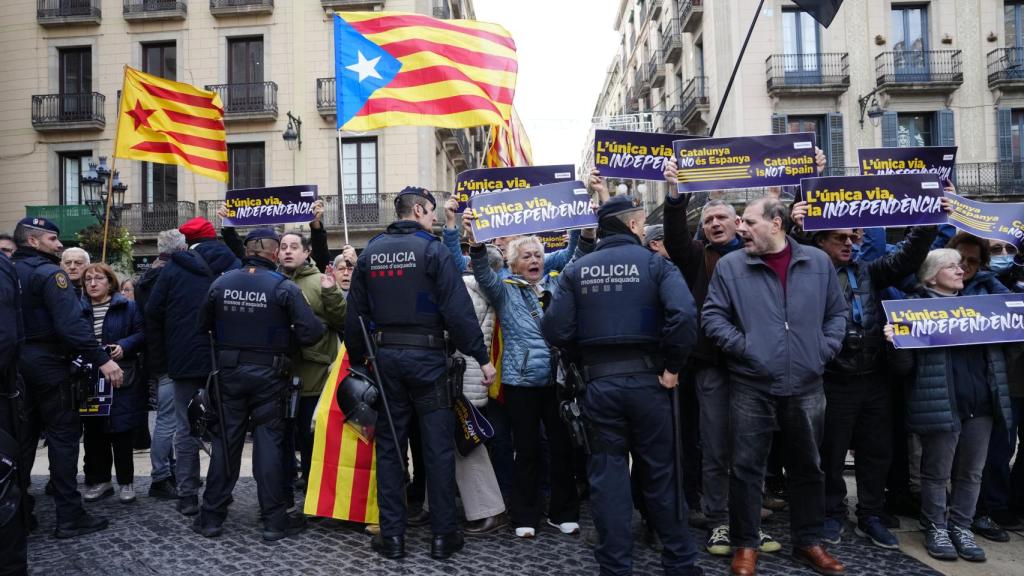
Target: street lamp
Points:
(293, 133)
(869, 104)
(94, 185)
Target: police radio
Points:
(291, 406)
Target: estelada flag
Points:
(343, 471)
(171, 122)
(510, 146)
(401, 69)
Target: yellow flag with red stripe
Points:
(343, 471)
(169, 122)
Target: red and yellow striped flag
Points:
(171, 122)
(343, 472)
(497, 349)
(510, 146)
(398, 68)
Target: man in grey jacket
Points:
(777, 311)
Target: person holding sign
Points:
(955, 395)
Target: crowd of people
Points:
(725, 373)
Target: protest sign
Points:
(563, 205)
(872, 201)
(638, 155)
(1003, 222)
(956, 321)
(277, 205)
(98, 404)
(487, 180)
(744, 162)
(553, 241)
(939, 160)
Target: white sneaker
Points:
(127, 494)
(525, 532)
(566, 527)
(98, 491)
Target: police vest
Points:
(617, 299)
(33, 273)
(401, 294)
(248, 314)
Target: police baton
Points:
(677, 429)
(213, 384)
(371, 355)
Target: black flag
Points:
(821, 10)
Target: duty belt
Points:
(232, 358)
(415, 340)
(642, 365)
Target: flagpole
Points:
(735, 68)
(341, 189)
(113, 166)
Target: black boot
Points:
(206, 530)
(84, 524)
(164, 489)
(392, 547)
(292, 526)
(444, 545)
(188, 505)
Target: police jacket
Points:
(864, 345)
(406, 281)
(173, 307)
(526, 358)
(779, 343)
(623, 296)
(257, 309)
(11, 330)
(49, 307)
(123, 326)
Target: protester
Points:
(127, 288)
(73, 261)
(344, 264)
(956, 394)
(776, 309)
(117, 324)
(7, 245)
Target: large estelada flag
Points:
(824, 11)
(171, 122)
(510, 146)
(399, 69)
(343, 469)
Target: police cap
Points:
(615, 206)
(41, 224)
(417, 191)
(262, 233)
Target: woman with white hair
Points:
(956, 395)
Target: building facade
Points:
(885, 73)
(62, 78)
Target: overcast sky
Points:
(564, 47)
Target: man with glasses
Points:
(7, 245)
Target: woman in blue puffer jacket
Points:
(528, 388)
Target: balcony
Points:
(919, 71)
(326, 97)
(252, 101)
(656, 7)
(691, 12)
(66, 112)
(656, 69)
(240, 7)
(150, 10)
(642, 81)
(456, 144)
(352, 4)
(442, 10)
(149, 219)
(672, 41)
(812, 74)
(52, 13)
(1006, 68)
(70, 218)
(694, 99)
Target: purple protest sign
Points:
(98, 404)
(994, 221)
(638, 155)
(559, 206)
(836, 202)
(744, 162)
(956, 321)
(277, 205)
(940, 160)
(487, 180)
(553, 241)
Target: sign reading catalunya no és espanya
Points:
(564, 205)
(744, 162)
(956, 321)
(994, 221)
(938, 160)
(486, 180)
(638, 155)
(872, 201)
(269, 206)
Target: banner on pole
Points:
(637, 155)
(939, 160)
(956, 321)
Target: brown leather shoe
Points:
(744, 562)
(486, 525)
(819, 560)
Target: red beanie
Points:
(196, 229)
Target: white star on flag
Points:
(365, 68)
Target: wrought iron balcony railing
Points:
(1006, 67)
(53, 112)
(818, 72)
(919, 69)
(143, 10)
(249, 101)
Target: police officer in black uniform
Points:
(13, 480)
(630, 316)
(409, 292)
(257, 316)
(56, 330)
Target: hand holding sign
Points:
(451, 206)
(744, 162)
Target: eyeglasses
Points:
(1001, 249)
(95, 279)
(843, 238)
(953, 266)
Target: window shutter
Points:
(1003, 128)
(945, 128)
(835, 151)
(779, 124)
(890, 130)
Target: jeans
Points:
(959, 456)
(161, 452)
(754, 416)
(186, 446)
(713, 396)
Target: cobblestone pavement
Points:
(150, 537)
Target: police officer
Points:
(630, 315)
(257, 316)
(55, 331)
(13, 480)
(407, 287)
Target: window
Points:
(75, 82)
(246, 165)
(910, 43)
(1013, 20)
(915, 129)
(72, 165)
(245, 74)
(814, 124)
(159, 181)
(359, 178)
(801, 46)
